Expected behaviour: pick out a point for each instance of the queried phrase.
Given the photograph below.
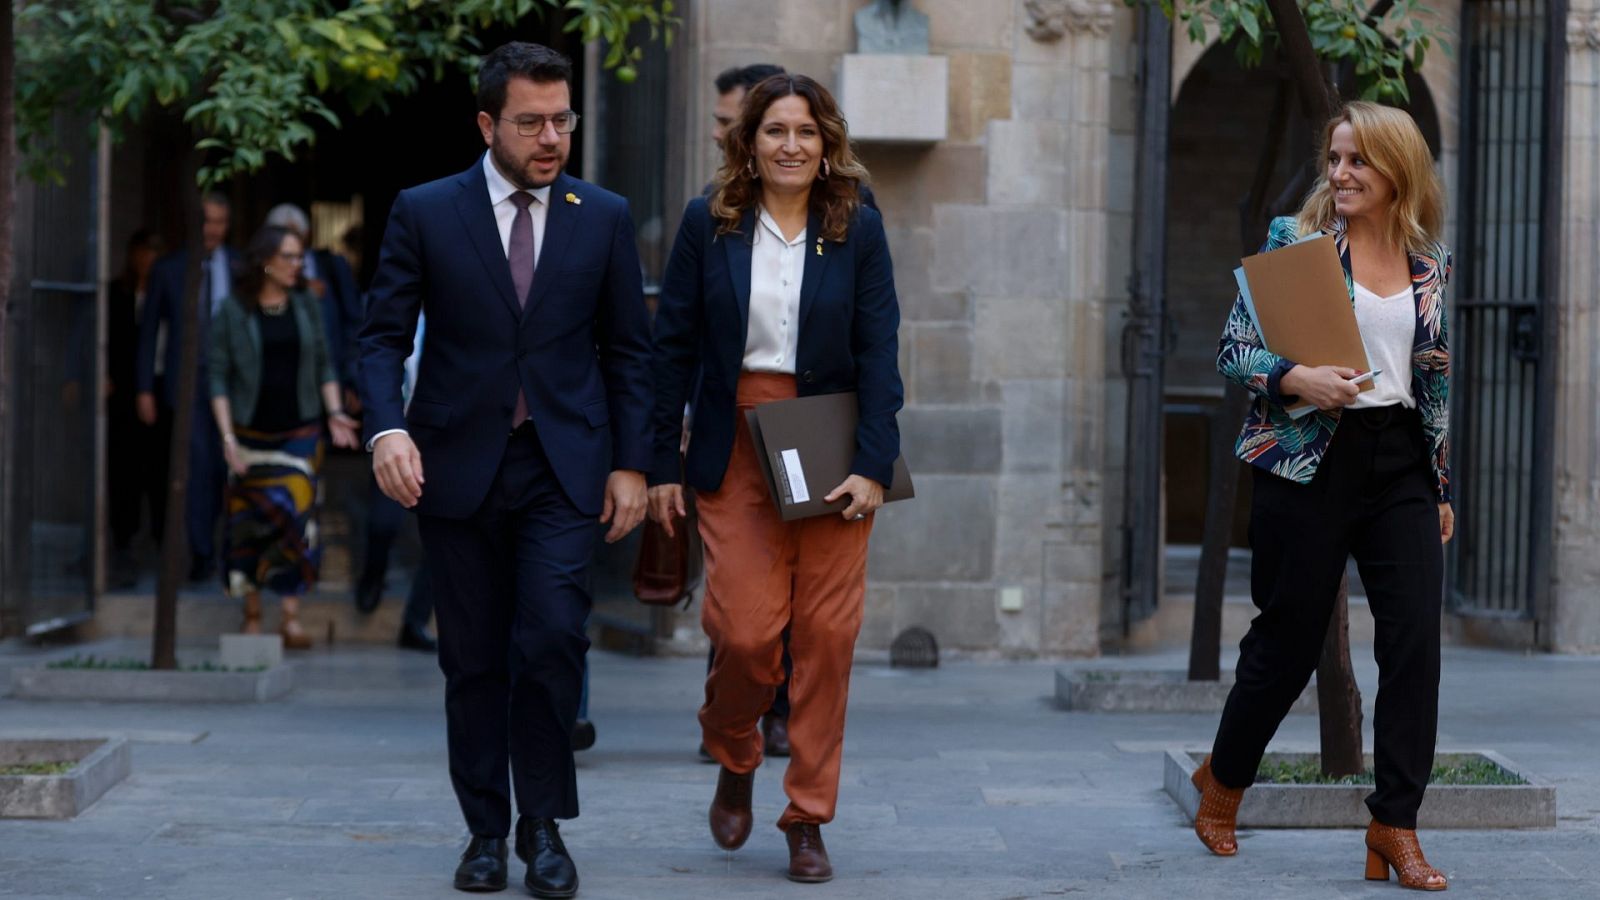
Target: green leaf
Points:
(1251, 26)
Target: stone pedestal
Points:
(250, 651)
(893, 98)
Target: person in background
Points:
(136, 457)
(161, 330)
(330, 279)
(272, 384)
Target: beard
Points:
(516, 170)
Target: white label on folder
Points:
(796, 476)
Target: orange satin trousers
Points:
(762, 575)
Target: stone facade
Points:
(1575, 590)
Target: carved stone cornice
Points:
(1583, 31)
(1051, 20)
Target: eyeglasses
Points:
(533, 125)
(291, 257)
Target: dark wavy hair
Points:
(262, 248)
(835, 198)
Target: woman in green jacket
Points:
(271, 386)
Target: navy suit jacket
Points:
(163, 305)
(580, 350)
(849, 320)
(342, 311)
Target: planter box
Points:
(1138, 690)
(101, 763)
(1531, 805)
(40, 683)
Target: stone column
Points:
(1042, 338)
(1575, 591)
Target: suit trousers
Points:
(511, 596)
(764, 575)
(1372, 498)
(208, 478)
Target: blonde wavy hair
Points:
(1390, 142)
(835, 197)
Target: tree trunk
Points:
(175, 541)
(1222, 491)
(8, 204)
(1340, 719)
(1338, 698)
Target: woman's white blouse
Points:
(776, 267)
(1388, 331)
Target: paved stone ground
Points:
(965, 782)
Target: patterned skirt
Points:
(271, 536)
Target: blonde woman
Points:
(1366, 475)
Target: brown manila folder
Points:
(1298, 297)
(806, 446)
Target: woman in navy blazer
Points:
(779, 285)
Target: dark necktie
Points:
(519, 253)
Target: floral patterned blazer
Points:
(1293, 448)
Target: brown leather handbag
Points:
(668, 567)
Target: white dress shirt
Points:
(500, 191)
(1388, 331)
(776, 267)
(221, 279)
(505, 212)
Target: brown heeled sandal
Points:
(1219, 809)
(252, 614)
(1397, 848)
(294, 637)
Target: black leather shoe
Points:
(412, 638)
(483, 866)
(369, 591)
(201, 570)
(550, 869)
(583, 735)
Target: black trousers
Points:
(1372, 498)
(511, 596)
(136, 470)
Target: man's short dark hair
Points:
(518, 59)
(746, 77)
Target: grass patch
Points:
(1466, 770)
(42, 768)
(95, 663)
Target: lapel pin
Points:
(574, 199)
(819, 246)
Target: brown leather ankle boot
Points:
(730, 809)
(1398, 848)
(1219, 809)
(808, 858)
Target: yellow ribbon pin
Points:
(574, 199)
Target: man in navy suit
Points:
(530, 419)
(156, 374)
